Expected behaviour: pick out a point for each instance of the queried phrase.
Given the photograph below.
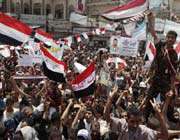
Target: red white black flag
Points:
(43, 36)
(84, 83)
(13, 31)
(53, 68)
(150, 51)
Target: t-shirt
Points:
(120, 128)
(163, 73)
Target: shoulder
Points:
(116, 122)
(159, 45)
(172, 53)
(148, 131)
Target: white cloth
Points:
(29, 133)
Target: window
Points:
(13, 7)
(18, 7)
(37, 9)
(59, 11)
(48, 9)
(26, 8)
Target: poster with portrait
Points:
(124, 46)
(80, 6)
(115, 45)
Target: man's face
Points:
(88, 115)
(115, 42)
(133, 122)
(170, 40)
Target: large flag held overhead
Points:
(13, 31)
(53, 68)
(128, 10)
(84, 83)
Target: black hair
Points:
(9, 101)
(133, 110)
(171, 32)
(55, 117)
(80, 138)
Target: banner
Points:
(159, 24)
(124, 46)
(160, 4)
(28, 60)
(79, 19)
(129, 28)
(29, 77)
(80, 6)
(140, 31)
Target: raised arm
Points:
(76, 117)
(66, 111)
(164, 131)
(17, 89)
(107, 108)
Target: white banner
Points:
(79, 19)
(29, 77)
(129, 28)
(140, 31)
(155, 3)
(28, 60)
(159, 24)
(124, 46)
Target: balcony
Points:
(60, 24)
(103, 2)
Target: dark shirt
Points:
(161, 65)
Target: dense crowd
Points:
(130, 102)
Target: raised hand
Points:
(156, 107)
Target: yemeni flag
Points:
(84, 83)
(42, 36)
(12, 31)
(46, 38)
(131, 9)
(53, 68)
(150, 51)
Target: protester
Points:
(122, 101)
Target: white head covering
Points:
(84, 133)
(79, 67)
(4, 51)
(142, 85)
(40, 107)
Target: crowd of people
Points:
(129, 103)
